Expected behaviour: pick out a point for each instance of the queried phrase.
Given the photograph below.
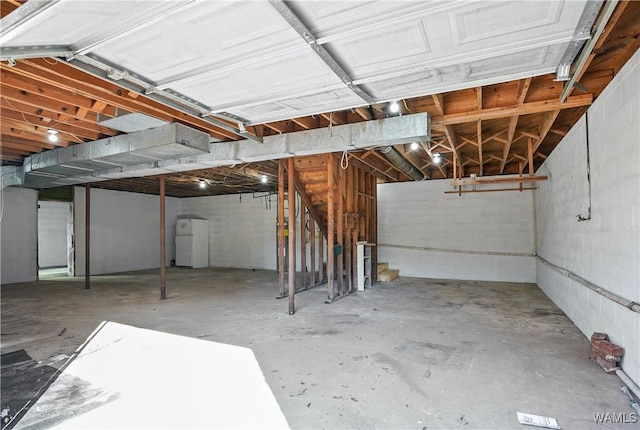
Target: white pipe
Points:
(628, 382)
(458, 251)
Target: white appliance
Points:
(192, 243)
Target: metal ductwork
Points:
(175, 148)
(401, 163)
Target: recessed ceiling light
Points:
(52, 135)
(414, 146)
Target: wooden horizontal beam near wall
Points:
(489, 191)
(508, 180)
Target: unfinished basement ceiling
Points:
(254, 61)
(483, 72)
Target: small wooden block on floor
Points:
(388, 275)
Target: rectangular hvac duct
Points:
(169, 141)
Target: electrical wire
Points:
(53, 63)
(405, 106)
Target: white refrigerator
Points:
(192, 243)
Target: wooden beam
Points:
(163, 275)
(530, 153)
(497, 180)
(341, 185)
(312, 251)
(292, 235)
(523, 109)
(438, 101)
(511, 130)
(310, 206)
(330, 225)
(303, 243)
(480, 159)
(281, 169)
(523, 88)
(364, 113)
(87, 236)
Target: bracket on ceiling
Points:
(296, 23)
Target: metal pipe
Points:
(607, 11)
(87, 236)
(628, 382)
(459, 251)
(163, 280)
(401, 163)
(635, 307)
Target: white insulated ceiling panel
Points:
(206, 38)
(79, 24)
(249, 58)
(453, 34)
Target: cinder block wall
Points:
(606, 249)
(242, 230)
(125, 230)
(52, 233)
(19, 235)
(419, 214)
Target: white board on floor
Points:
(128, 377)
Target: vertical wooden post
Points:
(348, 190)
(530, 153)
(374, 228)
(292, 235)
(163, 280)
(312, 239)
(303, 242)
(340, 196)
(321, 255)
(87, 236)
(281, 226)
(330, 224)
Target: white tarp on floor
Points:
(128, 377)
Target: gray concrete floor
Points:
(413, 353)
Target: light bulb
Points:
(264, 179)
(414, 146)
(52, 135)
(203, 183)
(437, 158)
(394, 107)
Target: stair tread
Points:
(388, 275)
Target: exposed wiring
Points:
(54, 62)
(588, 216)
(404, 102)
(331, 124)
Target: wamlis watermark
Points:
(615, 417)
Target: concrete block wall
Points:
(18, 235)
(606, 249)
(124, 230)
(53, 218)
(419, 214)
(242, 229)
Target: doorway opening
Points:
(55, 239)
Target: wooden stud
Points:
(530, 153)
(321, 258)
(281, 271)
(163, 277)
(303, 243)
(292, 235)
(330, 225)
(312, 251)
(374, 230)
(340, 196)
(87, 236)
